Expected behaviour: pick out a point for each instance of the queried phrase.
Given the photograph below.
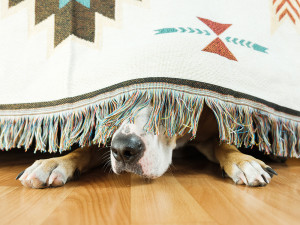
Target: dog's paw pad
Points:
(251, 173)
(46, 173)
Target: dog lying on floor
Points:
(137, 151)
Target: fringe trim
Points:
(177, 111)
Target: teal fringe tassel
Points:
(177, 111)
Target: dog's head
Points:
(137, 151)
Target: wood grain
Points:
(192, 192)
(173, 204)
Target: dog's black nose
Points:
(127, 147)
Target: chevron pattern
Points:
(287, 9)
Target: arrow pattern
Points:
(182, 30)
(217, 46)
(234, 40)
(249, 44)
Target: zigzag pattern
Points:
(287, 8)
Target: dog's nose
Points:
(127, 147)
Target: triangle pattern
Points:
(217, 46)
(218, 28)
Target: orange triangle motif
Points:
(218, 28)
(218, 47)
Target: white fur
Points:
(159, 148)
(39, 174)
(250, 173)
(158, 153)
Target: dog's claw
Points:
(20, 174)
(265, 179)
(223, 173)
(271, 171)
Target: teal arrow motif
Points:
(199, 31)
(206, 32)
(191, 30)
(182, 29)
(259, 48)
(255, 46)
(166, 30)
(242, 42)
(248, 44)
(86, 3)
(234, 40)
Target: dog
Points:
(149, 155)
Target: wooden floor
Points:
(192, 192)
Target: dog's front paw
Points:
(249, 171)
(52, 172)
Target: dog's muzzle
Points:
(127, 150)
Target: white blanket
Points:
(73, 70)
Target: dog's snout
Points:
(126, 154)
(127, 147)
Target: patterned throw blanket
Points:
(72, 70)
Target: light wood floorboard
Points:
(191, 192)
